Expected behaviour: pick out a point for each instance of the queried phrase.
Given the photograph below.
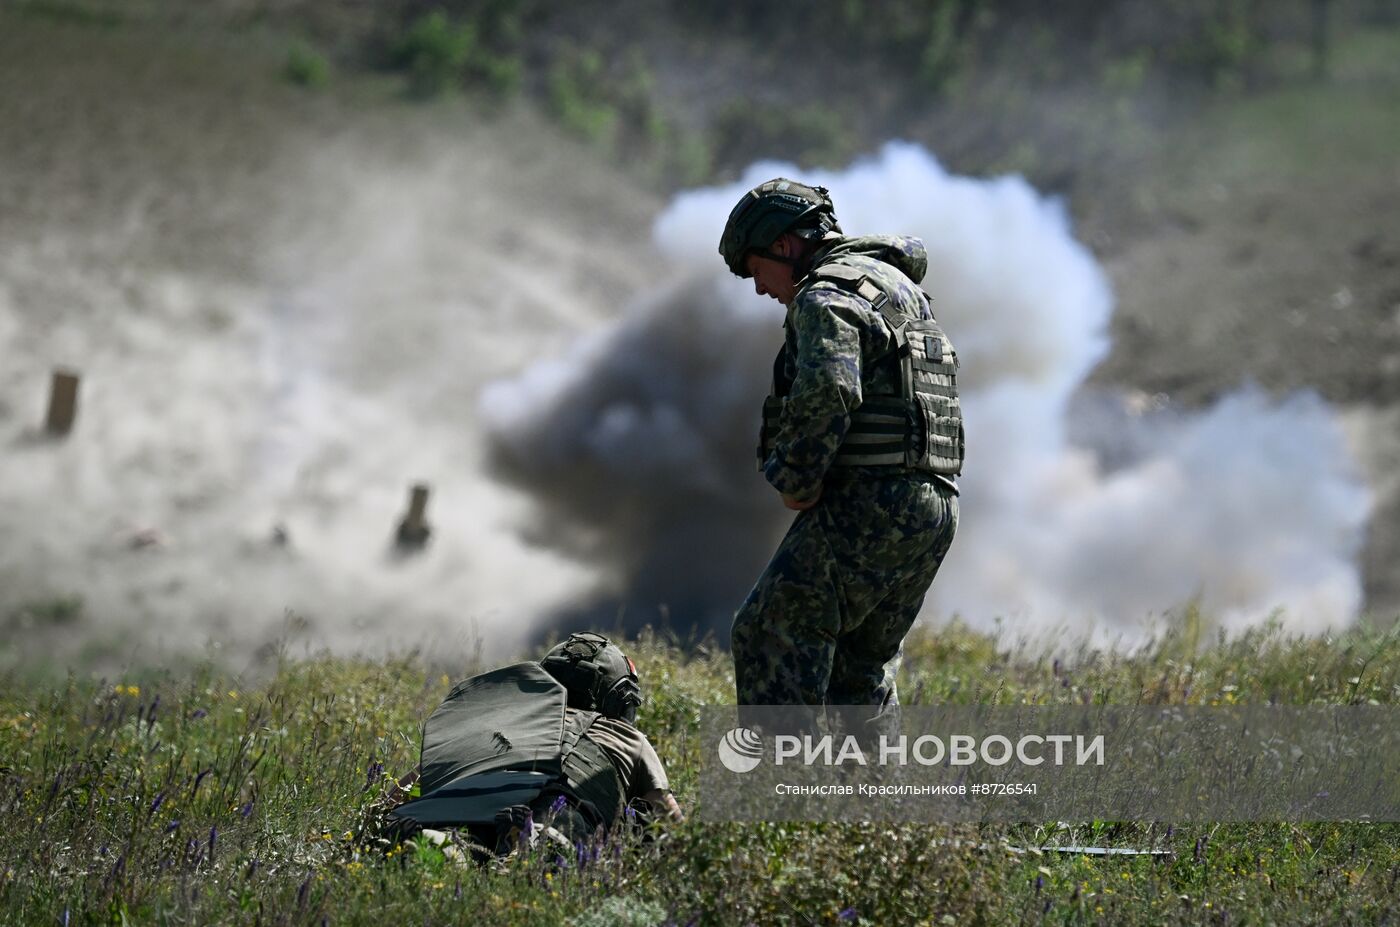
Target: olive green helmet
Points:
(767, 211)
(597, 675)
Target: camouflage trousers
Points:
(826, 621)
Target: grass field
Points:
(197, 798)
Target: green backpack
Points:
(503, 738)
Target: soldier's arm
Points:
(826, 324)
(650, 782)
(663, 800)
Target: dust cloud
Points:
(268, 364)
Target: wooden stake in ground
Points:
(63, 402)
(414, 530)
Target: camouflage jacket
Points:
(824, 369)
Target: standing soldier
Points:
(862, 436)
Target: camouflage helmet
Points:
(597, 675)
(767, 211)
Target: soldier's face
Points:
(770, 277)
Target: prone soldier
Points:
(535, 750)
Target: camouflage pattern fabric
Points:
(825, 622)
(825, 368)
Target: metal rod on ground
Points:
(414, 530)
(63, 402)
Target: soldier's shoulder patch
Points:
(839, 273)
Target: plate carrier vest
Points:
(503, 738)
(921, 427)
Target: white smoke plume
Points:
(1080, 510)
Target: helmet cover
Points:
(767, 211)
(597, 675)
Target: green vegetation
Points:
(576, 98)
(977, 79)
(439, 53)
(201, 798)
(434, 52)
(306, 66)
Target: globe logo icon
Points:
(740, 750)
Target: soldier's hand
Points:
(801, 506)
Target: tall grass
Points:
(195, 798)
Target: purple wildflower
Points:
(155, 805)
(213, 840)
(558, 805)
(198, 713)
(301, 892)
(247, 809)
(1039, 883)
(174, 825)
(847, 915)
(198, 779)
